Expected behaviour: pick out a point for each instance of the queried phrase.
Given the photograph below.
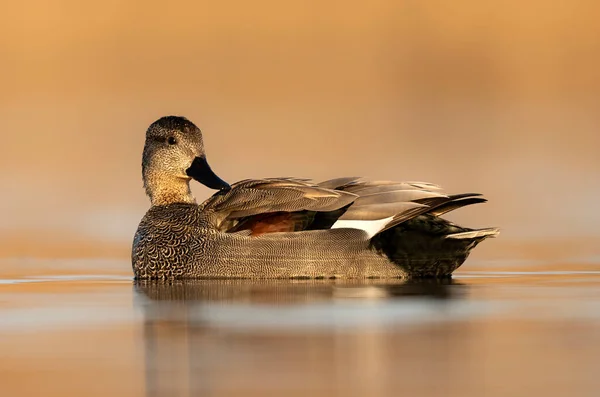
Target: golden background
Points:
(494, 97)
(498, 97)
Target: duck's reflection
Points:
(289, 291)
(234, 336)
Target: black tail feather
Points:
(453, 205)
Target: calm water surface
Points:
(83, 328)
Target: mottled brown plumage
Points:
(282, 227)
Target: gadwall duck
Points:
(288, 227)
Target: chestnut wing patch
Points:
(275, 222)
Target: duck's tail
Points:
(404, 223)
(475, 234)
(427, 245)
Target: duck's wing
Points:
(258, 206)
(383, 199)
(276, 205)
(397, 202)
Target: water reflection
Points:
(278, 292)
(518, 335)
(493, 335)
(314, 337)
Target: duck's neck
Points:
(164, 190)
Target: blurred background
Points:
(498, 97)
(495, 97)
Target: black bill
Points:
(200, 171)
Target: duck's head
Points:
(174, 154)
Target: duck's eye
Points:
(172, 140)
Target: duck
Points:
(288, 227)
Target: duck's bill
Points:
(200, 171)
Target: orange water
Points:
(81, 327)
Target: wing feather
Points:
(248, 198)
(263, 203)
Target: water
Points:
(73, 328)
